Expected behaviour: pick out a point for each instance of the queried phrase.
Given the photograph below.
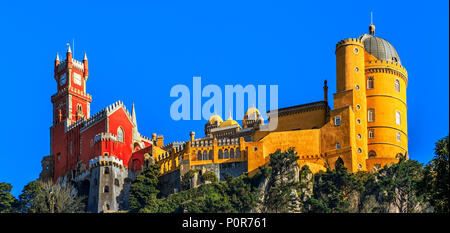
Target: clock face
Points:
(62, 79)
(77, 79)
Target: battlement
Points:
(105, 161)
(77, 64)
(395, 65)
(69, 127)
(146, 138)
(175, 146)
(349, 41)
(105, 137)
(202, 143)
(80, 93)
(94, 119)
(59, 93)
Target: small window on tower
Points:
(371, 133)
(337, 121)
(370, 82)
(398, 117)
(106, 170)
(371, 115)
(106, 189)
(338, 146)
(397, 85)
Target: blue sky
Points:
(138, 51)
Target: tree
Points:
(243, 197)
(144, 191)
(46, 197)
(397, 186)
(282, 195)
(8, 203)
(435, 183)
(333, 190)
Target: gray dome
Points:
(380, 48)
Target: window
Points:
(370, 82)
(220, 154)
(71, 145)
(231, 153)
(106, 170)
(398, 117)
(358, 121)
(359, 151)
(372, 154)
(358, 107)
(211, 155)
(106, 189)
(338, 146)
(225, 154)
(120, 134)
(357, 87)
(399, 136)
(356, 69)
(205, 155)
(359, 136)
(238, 153)
(355, 50)
(377, 166)
(337, 121)
(116, 182)
(199, 155)
(371, 133)
(371, 115)
(359, 166)
(397, 85)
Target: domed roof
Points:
(215, 118)
(229, 122)
(379, 48)
(252, 110)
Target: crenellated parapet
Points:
(349, 41)
(105, 161)
(80, 93)
(94, 119)
(379, 66)
(228, 142)
(69, 127)
(78, 65)
(60, 93)
(105, 137)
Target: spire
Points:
(68, 48)
(85, 57)
(371, 27)
(133, 115)
(57, 57)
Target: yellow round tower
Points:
(350, 93)
(386, 82)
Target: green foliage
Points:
(435, 184)
(186, 179)
(46, 197)
(8, 203)
(144, 191)
(283, 187)
(332, 190)
(208, 176)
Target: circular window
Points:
(356, 50)
(359, 166)
(358, 121)
(255, 149)
(358, 107)
(359, 150)
(359, 136)
(357, 87)
(356, 69)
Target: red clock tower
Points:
(71, 102)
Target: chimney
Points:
(325, 91)
(160, 141)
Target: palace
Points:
(103, 153)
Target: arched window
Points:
(120, 134)
(370, 82)
(238, 153)
(225, 154)
(371, 115)
(399, 156)
(338, 146)
(205, 155)
(231, 153)
(372, 154)
(397, 85)
(220, 154)
(106, 170)
(116, 182)
(106, 189)
(199, 155)
(211, 155)
(398, 117)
